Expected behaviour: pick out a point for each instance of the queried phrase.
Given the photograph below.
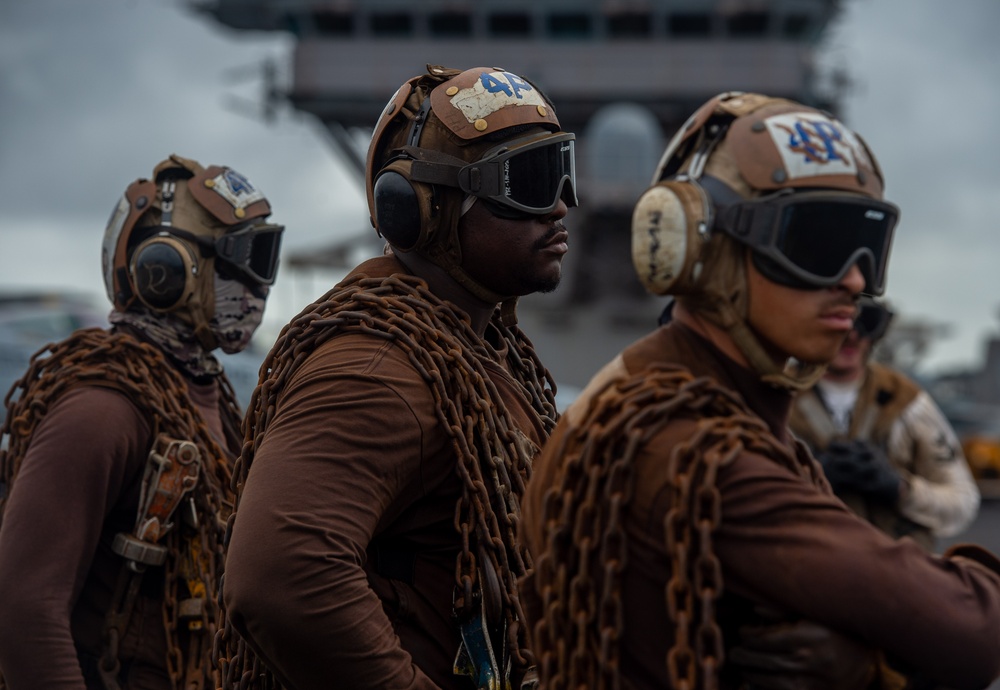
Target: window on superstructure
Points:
(391, 24)
(630, 25)
(334, 23)
(509, 24)
(450, 24)
(689, 24)
(797, 26)
(569, 25)
(747, 24)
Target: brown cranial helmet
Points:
(448, 134)
(168, 235)
(788, 182)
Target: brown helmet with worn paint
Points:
(449, 135)
(787, 181)
(167, 235)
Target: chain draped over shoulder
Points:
(579, 572)
(493, 465)
(117, 360)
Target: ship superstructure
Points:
(622, 74)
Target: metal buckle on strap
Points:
(171, 472)
(138, 553)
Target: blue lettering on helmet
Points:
(815, 140)
(237, 183)
(494, 85)
(504, 82)
(517, 84)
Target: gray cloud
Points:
(93, 94)
(925, 84)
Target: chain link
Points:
(584, 511)
(139, 370)
(494, 462)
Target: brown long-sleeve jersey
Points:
(782, 543)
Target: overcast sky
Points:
(93, 93)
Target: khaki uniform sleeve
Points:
(942, 494)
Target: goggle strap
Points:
(434, 173)
(737, 221)
(433, 167)
(719, 192)
(480, 178)
(209, 247)
(206, 245)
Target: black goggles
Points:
(812, 238)
(872, 320)
(249, 253)
(530, 178)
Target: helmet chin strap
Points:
(508, 313)
(448, 257)
(725, 302)
(791, 375)
(439, 258)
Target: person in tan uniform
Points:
(885, 447)
(397, 417)
(118, 446)
(678, 530)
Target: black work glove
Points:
(860, 467)
(801, 656)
